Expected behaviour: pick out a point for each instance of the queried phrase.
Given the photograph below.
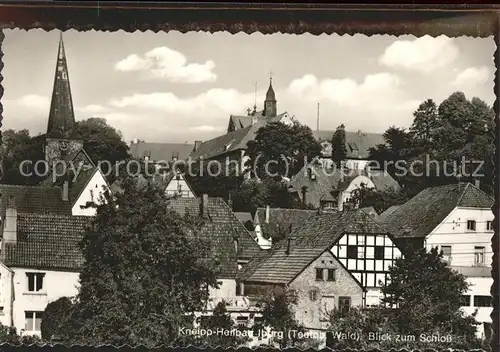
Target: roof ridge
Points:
(24, 186)
(54, 215)
(463, 193)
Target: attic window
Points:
(312, 175)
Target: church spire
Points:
(270, 108)
(61, 115)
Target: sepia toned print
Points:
(335, 191)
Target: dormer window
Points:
(226, 147)
(312, 175)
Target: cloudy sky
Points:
(174, 87)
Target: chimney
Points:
(477, 183)
(175, 156)
(249, 111)
(197, 145)
(204, 205)
(10, 224)
(340, 201)
(304, 195)
(235, 239)
(254, 119)
(65, 191)
(359, 133)
(289, 245)
(368, 170)
(267, 214)
(348, 206)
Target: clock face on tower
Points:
(63, 145)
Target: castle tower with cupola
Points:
(270, 105)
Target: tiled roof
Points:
(316, 235)
(220, 229)
(324, 184)
(474, 271)
(47, 242)
(283, 217)
(383, 181)
(330, 179)
(385, 215)
(370, 211)
(226, 143)
(116, 186)
(70, 162)
(163, 181)
(35, 199)
(161, 151)
(243, 217)
(237, 122)
(358, 144)
(80, 182)
(280, 267)
(423, 213)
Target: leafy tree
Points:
(102, 141)
(281, 150)
(246, 194)
(19, 146)
(250, 195)
(358, 321)
(425, 123)
(56, 313)
(454, 138)
(221, 185)
(146, 269)
(379, 200)
(279, 195)
(407, 309)
(220, 319)
(435, 309)
(397, 148)
(8, 334)
(278, 314)
(339, 151)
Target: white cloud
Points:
(423, 54)
(206, 128)
(375, 90)
(473, 76)
(93, 109)
(165, 63)
(214, 100)
(33, 101)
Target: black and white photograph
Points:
(216, 189)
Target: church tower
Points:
(270, 108)
(60, 139)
